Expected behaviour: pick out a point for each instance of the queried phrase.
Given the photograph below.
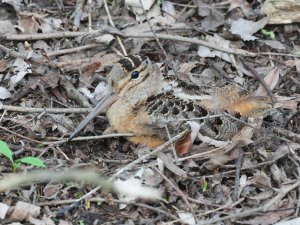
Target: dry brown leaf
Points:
(261, 179)
(264, 195)
(28, 25)
(3, 65)
(168, 163)
(184, 145)
(23, 210)
(216, 41)
(220, 158)
(87, 71)
(271, 80)
(61, 122)
(51, 190)
(246, 28)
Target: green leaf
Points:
(268, 33)
(4, 149)
(32, 161)
(204, 186)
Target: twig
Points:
(183, 196)
(48, 110)
(112, 30)
(95, 137)
(260, 79)
(235, 193)
(65, 140)
(172, 144)
(43, 36)
(113, 25)
(234, 63)
(193, 41)
(152, 30)
(73, 50)
(286, 133)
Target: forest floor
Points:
(55, 57)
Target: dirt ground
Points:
(55, 57)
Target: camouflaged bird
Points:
(143, 100)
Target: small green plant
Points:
(204, 186)
(268, 33)
(33, 161)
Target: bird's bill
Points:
(103, 104)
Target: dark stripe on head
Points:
(126, 64)
(137, 59)
(131, 62)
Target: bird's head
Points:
(132, 78)
(133, 73)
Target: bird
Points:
(144, 101)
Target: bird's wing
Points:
(167, 110)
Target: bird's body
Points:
(149, 100)
(146, 104)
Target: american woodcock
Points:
(143, 100)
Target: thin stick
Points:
(173, 147)
(183, 196)
(65, 140)
(74, 50)
(193, 41)
(48, 110)
(44, 36)
(235, 193)
(113, 25)
(261, 80)
(152, 30)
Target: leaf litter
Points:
(54, 68)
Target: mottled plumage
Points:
(148, 100)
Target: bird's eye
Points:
(135, 75)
